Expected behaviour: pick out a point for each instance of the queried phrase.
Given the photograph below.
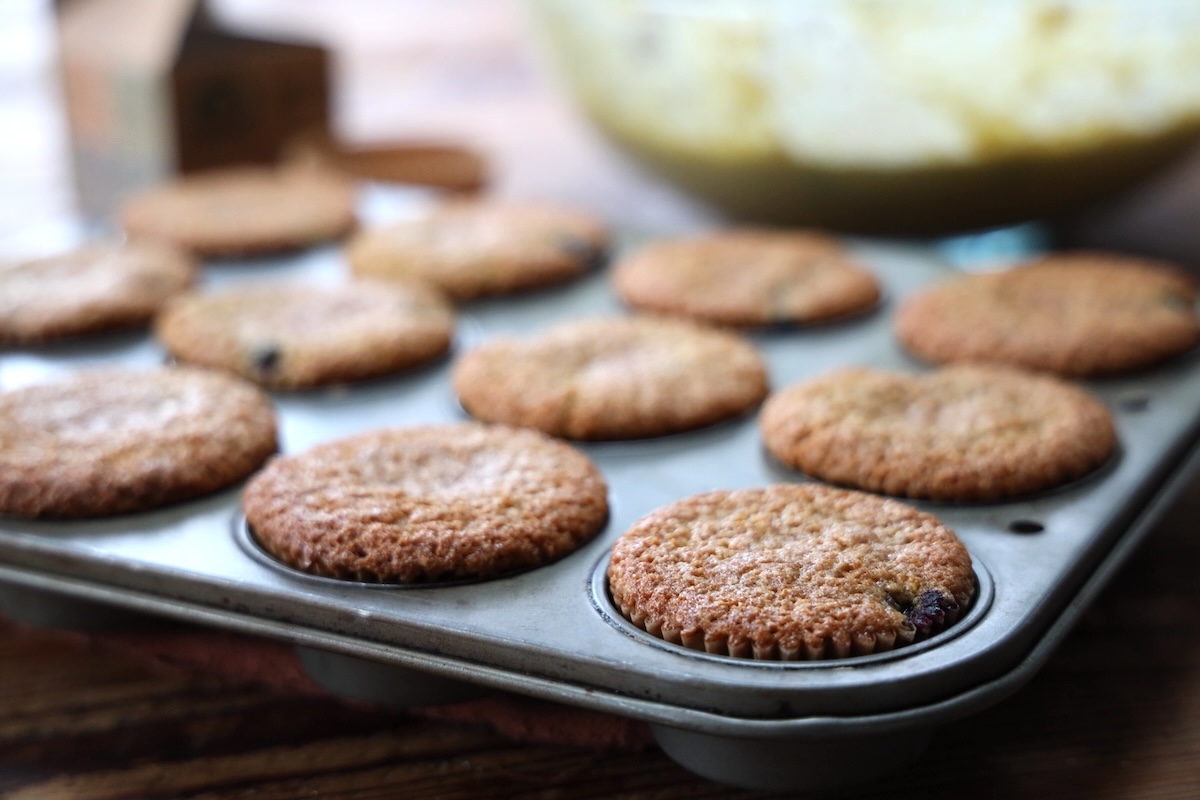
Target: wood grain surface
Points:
(1115, 715)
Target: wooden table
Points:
(1115, 714)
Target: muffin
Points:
(964, 433)
(1078, 315)
(115, 441)
(613, 378)
(429, 503)
(294, 336)
(790, 572)
(243, 211)
(95, 288)
(472, 249)
(747, 278)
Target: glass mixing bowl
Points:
(909, 117)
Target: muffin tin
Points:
(552, 632)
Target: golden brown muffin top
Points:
(427, 503)
(291, 335)
(96, 287)
(961, 433)
(113, 441)
(1075, 314)
(613, 378)
(791, 571)
(747, 277)
(472, 249)
(243, 210)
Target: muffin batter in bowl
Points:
(905, 118)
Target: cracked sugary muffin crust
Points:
(1075, 314)
(114, 441)
(790, 572)
(472, 249)
(617, 378)
(961, 433)
(747, 277)
(289, 336)
(89, 289)
(427, 503)
(243, 210)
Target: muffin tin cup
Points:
(804, 764)
(42, 608)
(380, 683)
(552, 633)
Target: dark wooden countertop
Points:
(1115, 715)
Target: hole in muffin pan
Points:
(41, 608)
(1026, 526)
(1134, 403)
(603, 604)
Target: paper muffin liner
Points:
(926, 616)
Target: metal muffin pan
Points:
(552, 633)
